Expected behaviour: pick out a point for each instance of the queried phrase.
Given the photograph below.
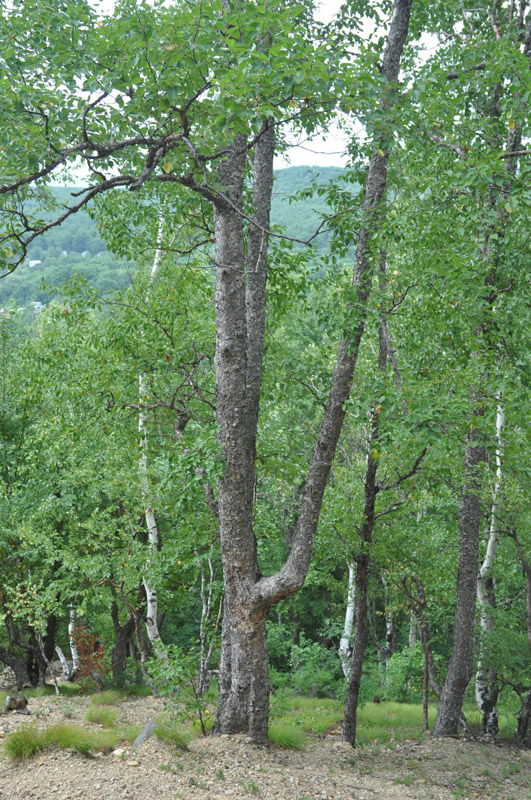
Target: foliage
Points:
(176, 680)
(315, 670)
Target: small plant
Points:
(176, 679)
(169, 730)
(220, 775)
(250, 787)
(102, 715)
(287, 736)
(94, 666)
(68, 710)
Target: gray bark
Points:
(461, 663)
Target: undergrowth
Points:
(171, 731)
(28, 740)
(103, 715)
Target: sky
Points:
(322, 151)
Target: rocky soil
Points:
(228, 768)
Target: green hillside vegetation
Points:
(77, 247)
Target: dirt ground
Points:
(227, 768)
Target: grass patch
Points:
(110, 697)
(70, 690)
(27, 741)
(285, 735)
(74, 737)
(24, 743)
(39, 691)
(384, 722)
(139, 690)
(172, 732)
(102, 715)
(3, 696)
(128, 733)
(311, 714)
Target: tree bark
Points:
(18, 666)
(462, 659)
(149, 513)
(122, 637)
(344, 644)
(485, 694)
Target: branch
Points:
(516, 153)
(451, 76)
(384, 488)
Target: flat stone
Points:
(146, 732)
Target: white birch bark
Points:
(151, 522)
(72, 640)
(206, 648)
(483, 699)
(66, 671)
(344, 644)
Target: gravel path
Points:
(226, 768)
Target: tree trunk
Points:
(485, 692)
(462, 660)
(522, 735)
(18, 666)
(344, 644)
(149, 513)
(122, 637)
(358, 648)
(72, 640)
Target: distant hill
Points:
(76, 245)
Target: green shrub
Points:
(316, 670)
(103, 715)
(405, 676)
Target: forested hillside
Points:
(237, 461)
(77, 247)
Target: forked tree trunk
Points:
(243, 703)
